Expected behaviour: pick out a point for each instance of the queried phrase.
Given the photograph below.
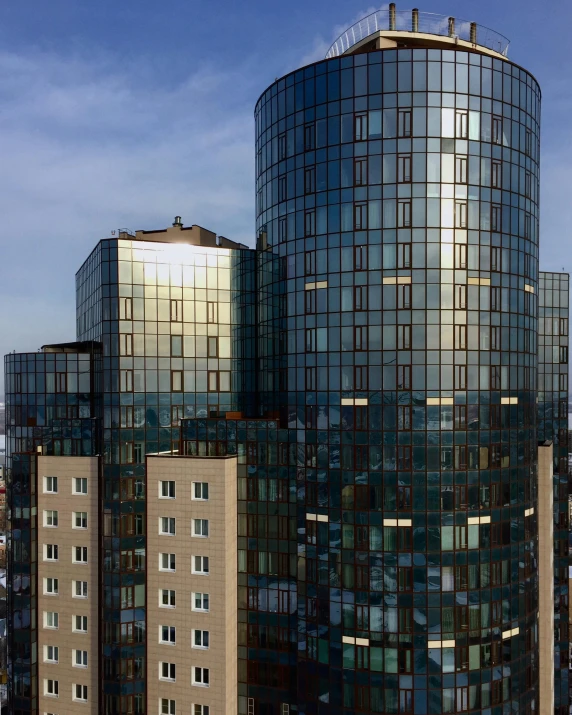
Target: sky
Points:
(125, 114)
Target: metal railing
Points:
(424, 22)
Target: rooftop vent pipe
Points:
(474, 33)
(392, 16)
(415, 20)
(178, 222)
(451, 27)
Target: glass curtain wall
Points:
(176, 323)
(397, 197)
(553, 336)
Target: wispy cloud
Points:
(87, 147)
(322, 44)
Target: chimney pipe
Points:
(474, 33)
(451, 27)
(178, 222)
(415, 20)
(392, 16)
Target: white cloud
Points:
(87, 147)
(321, 45)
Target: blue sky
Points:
(123, 114)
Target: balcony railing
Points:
(418, 22)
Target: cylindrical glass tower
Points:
(397, 203)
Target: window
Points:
(360, 216)
(126, 344)
(404, 168)
(360, 171)
(166, 562)
(176, 310)
(360, 297)
(167, 634)
(167, 707)
(404, 123)
(201, 677)
(167, 525)
(51, 586)
(527, 225)
(309, 136)
(176, 380)
(460, 337)
(166, 598)
(167, 490)
(460, 169)
(528, 142)
(200, 527)
(404, 255)
(460, 256)
(200, 639)
(309, 180)
(212, 312)
(51, 619)
(80, 485)
(80, 520)
(527, 184)
(80, 692)
(126, 309)
(126, 380)
(360, 337)
(167, 671)
(496, 174)
(50, 552)
(80, 624)
(461, 124)
(404, 297)
(80, 658)
(360, 258)
(201, 490)
(51, 688)
(495, 259)
(50, 518)
(200, 565)
(79, 589)
(200, 602)
(282, 194)
(404, 213)
(460, 214)
(460, 297)
(51, 485)
(309, 223)
(51, 653)
(404, 337)
(309, 263)
(204, 709)
(79, 554)
(360, 125)
(404, 377)
(460, 375)
(496, 218)
(497, 130)
(218, 381)
(282, 230)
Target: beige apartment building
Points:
(68, 585)
(191, 585)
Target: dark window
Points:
(282, 194)
(360, 258)
(496, 218)
(461, 124)
(360, 172)
(404, 337)
(461, 256)
(309, 137)
(497, 130)
(361, 377)
(310, 223)
(461, 297)
(528, 142)
(460, 337)
(360, 127)
(360, 342)
(460, 414)
(282, 146)
(527, 184)
(310, 301)
(404, 297)
(460, 373)
(360, 216)
(282, 230)
(309, 180)
(496, 174)
(176, 311)
(495, 258)
(212, 312)
(360, 298)
(310, 263)
(404, 377)
(527, 225)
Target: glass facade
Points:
(177, 324)
(49, 407)
(553, 339)
(397, 211)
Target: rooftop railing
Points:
(418, 22)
